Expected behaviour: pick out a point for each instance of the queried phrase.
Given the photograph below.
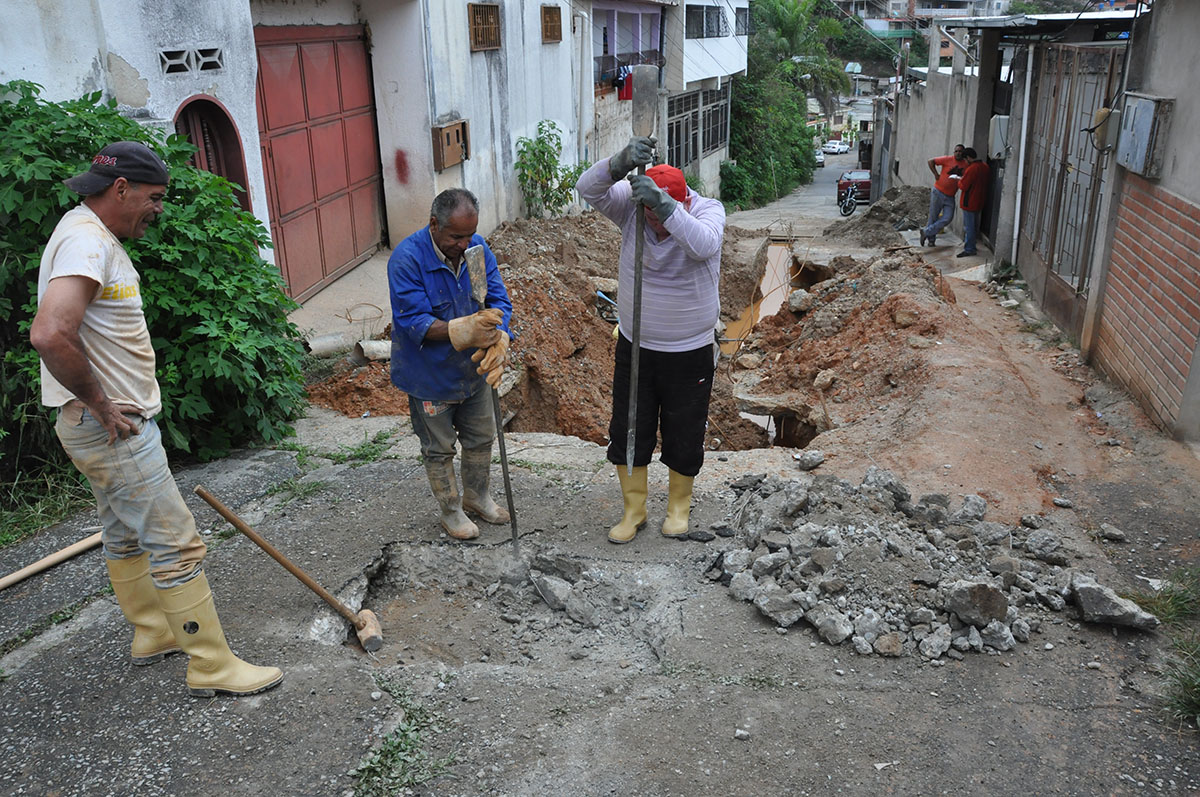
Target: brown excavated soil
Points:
(563, 345)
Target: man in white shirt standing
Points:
(680, 305)
(97, 367)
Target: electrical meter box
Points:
(998, 138)
(451, 144)
(1144, 127)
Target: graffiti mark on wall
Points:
(402, 166)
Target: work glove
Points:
(638, 152)
(493, 359)
(478, 330)
(646, 191)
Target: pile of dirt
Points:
(902, 207)
(853, 340)
(562, 347)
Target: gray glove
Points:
(638, 152)
(646, 191)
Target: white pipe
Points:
(585, 81)
(373, 350)
(1021, 164)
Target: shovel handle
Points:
(634, 355)
(305, 579)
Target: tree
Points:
(1049, 6)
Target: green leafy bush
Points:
(545, 183)
(228, 358)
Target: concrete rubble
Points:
(892, 576)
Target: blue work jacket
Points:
(423, 290)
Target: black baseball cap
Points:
(129, 159)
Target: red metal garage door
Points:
(316, 114)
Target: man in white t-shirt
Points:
(97, 367)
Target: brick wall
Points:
(1150, 322)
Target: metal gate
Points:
(316, 117)
(1066, 173)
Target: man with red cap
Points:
(681, 269)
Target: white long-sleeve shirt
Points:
(680, 274)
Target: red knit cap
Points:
(670, 180)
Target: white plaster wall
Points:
(304, 12)
(709, 171)
(76, 46)
(57, 45)
(177, 26)
(398, 63)
(503, 93)
(613, 126)
(1171, 70)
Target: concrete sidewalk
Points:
(356, 306)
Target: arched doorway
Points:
(207, 125)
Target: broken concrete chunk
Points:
(996, 635)
(735, 561)
(990, 533)
(743, 586)
(1099, 604)
(825, 379)
(807, 460)
(868, 625)
(976, 603)
(1045, 545)
(861, 646)
(1112, 533)
(832, 626)
(773, 602)
(972, 509)
(880, 479)
(936, 642)
(1064, 503)
(801, 301)
(765, 565)
(554, 590)
(890, 644)
(1031, 521)
(749, 362)
(776, 541)
(795, 499)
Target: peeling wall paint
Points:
(127, 86)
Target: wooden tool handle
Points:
(49, 561)
(244, 528)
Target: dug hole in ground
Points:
(916, 590)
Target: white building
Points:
(341, 118)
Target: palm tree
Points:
(797, 38)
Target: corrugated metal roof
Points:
(1035, 21)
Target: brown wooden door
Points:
(316, 116)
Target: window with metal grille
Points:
(715, 117)
(551, 24)
(683, 129)
(705, 22)
(484, 19)
(741, 22)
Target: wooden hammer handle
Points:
(49, 561)
(307, 580)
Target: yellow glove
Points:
(478, 330)
(493, 359)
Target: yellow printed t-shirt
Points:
(113, 331)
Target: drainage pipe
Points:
(1021, 163)
(373, 350)
(327, 345)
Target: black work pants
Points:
(673, 392)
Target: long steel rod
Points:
(634, 355)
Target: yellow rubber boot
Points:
(445, 490)
(476, 493)
(193, 619)
(633, 489)
(679, 505)
(137, 595)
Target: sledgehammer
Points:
(365, 623)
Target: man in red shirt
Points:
(947, 170)
(972, 194)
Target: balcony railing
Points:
(608, 67)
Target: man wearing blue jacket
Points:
(447, 353)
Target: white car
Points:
(831, 147)
(820, 158)
(842, 147)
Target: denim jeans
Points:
(941, 212)
(970, 230)
(139, 504)
(438, 424)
